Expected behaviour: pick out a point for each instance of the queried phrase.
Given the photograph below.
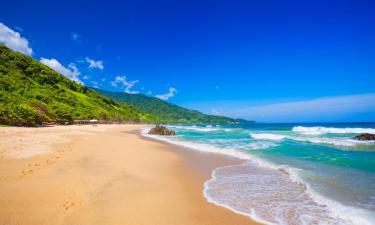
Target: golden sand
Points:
(103, 175)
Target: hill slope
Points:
(32, 94)
(167, 112)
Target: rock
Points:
(365, 137)
(161, 130)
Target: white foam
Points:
(267, 136)
(201, 129)
(197, 146)
(233, 152)
(333, 130)
(276, 198)
(259, 145)
(337, 141)
(334, 212)
(345, 142)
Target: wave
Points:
(266, 136)
(198, 146)
(201, 129)
(331, 130)
(211, 148)
(338, 141)
(270, 197)
(344, 142)
(266, 192)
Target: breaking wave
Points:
(336, 141)
(265, 136)
(331, 130)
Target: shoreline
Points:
(111, 176)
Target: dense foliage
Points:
(32, 94)
(167, 112)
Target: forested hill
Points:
(32, 94)
(167, 112)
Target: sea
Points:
(293, 173)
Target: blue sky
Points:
(251, 59)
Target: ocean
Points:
(293, 174)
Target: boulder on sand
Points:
(365, 137)
(161, 130)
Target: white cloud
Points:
(95, 64)
(85, 77)
(74, 36)
(70, 72)
(13, 40)
(95, 84)
(121, 80)
(216, 112)
(172, 91)
(336, 108)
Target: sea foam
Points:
(336, 141)
(276, 197)
(344, 142)
(331, 130)
(267, 192)
(265, 136)
(201, 129)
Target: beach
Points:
(106, 174)
(291, 173)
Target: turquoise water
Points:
(294, 174)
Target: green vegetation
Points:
(32, 94)
(167, 112)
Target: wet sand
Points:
(104, 175)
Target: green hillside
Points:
(32, 94)
(167, 112)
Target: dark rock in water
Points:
(161, 130)
(365, 137)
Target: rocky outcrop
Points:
(161, 130)
(365, 137)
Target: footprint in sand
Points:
(30, 168)
(33, 165)
(68, 204)
(27, 171)
(50, 161)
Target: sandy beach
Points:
(104, 175)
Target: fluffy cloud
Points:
(95, 84)
(74, 36)
(172, 91)
(95, 64)
(216, 112)
(13, 40)
(335, 108)
(124, 83)
(70, 72)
